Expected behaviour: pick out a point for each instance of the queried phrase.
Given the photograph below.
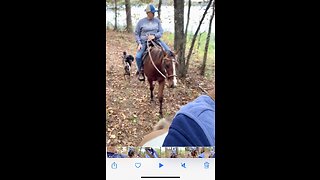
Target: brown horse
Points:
(158, 66)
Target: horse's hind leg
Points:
(160, 95)
(151, 89)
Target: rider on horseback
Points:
(147, 29)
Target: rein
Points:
(152, 60)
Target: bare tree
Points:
(159, 8)
(128, 12)
(179, 38)
(195, 36)
(188, 18)
(115, 15)
(203, 67)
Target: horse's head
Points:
(171, 65)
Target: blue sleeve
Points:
(184, 131)
(158, 35)
(137, 32)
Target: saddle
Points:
(145, 53)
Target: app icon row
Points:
(138, 165)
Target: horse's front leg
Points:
(160, 95)
(151, 90)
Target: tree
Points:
(159, 8)
(179, 38)
(128, 12)
(203, 67)
(188, 18)
(195, 36)
(115, 15)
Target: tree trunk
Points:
(188, 18)
(203, 67)
(179, 38)
(115, 15)
(195, 35)
(159, 8)
(128, 12)
(186, 31)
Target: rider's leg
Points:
(165, 46)
(139, 61)
(139, 56)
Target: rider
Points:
(113, 153)
(147, 29)
(131, 153)
(151, 153)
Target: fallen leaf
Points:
(124, 117)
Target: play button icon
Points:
(160, 165)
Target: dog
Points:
(127, 61)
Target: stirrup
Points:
(141, 76)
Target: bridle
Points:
(173, 61)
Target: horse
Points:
(159, 66)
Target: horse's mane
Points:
(159, 52)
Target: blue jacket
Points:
(193, 125)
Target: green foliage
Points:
(198, 52)
(169, 39)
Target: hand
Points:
(150, 37)
(139, 47)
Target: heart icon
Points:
(138, 165)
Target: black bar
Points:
(160, 177)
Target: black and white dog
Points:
(127, 61)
